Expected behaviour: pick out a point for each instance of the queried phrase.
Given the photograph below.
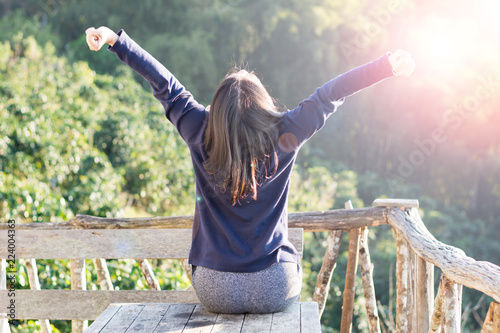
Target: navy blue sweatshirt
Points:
(253, 234)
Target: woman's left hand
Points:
(96, 38)
(402, 63)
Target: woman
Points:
(243, 151)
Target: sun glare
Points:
(440, 47)
(445, 41)
(490, 12)
(441, 43)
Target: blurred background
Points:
(80, 133)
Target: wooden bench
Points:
(193, 318)
(51, 242)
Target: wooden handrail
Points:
(455, 264)
(339, 219)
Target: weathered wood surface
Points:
(309, 318)
(425, 294)
(200, 321)
(4, 322)
(176, 316)
(412, 291)
(404, 203)
(366, 266)
(350, 279)
(436, 319)
(401, 283)
(254, 322)
(103, 277)
(492, 320)
(339, 219)
(95, 244)
(286, 321)
(452, 306)
(325, 273)
(78, 282)
(226, 323)
(84, 304)
(109, 244)
(189, 318)
(480, 275)
(34, 282)
(149, 274)
(187, 268)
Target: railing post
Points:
(452, 307)
(103, 277)
(412, 290)
(492, 321)
(401, 283)
(187, 268)
(325, 273)
(447, 312)
(4, 322)
(149, 275)
(436, 320)
(425, 294)
(35, 285)
(367, 278)
(78, 282)
(350, 278)
(410, 294)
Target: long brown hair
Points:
(241, 135)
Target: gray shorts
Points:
(270, 290)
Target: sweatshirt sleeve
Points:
(311, 114)
(181, 109)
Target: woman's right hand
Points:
(96, 38)
(402, 63)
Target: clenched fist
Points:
(96, 38)
(402, 63)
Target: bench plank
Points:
(122, 320)
(287, 321)
(175, 319)
(109, 244)
(148, 319)
(257, 323)
(228, 323)
(201, 321)
(309, 318)
(103, 319)
(85, 304)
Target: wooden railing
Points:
(417, 310)
(417, 251)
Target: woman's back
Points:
(243, 153)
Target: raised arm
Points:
(312, 113)
(180, 107)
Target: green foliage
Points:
(30, 198)
(74, 142)
(311, 189)
(80, 138)
(45, 147)
(17, 21)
